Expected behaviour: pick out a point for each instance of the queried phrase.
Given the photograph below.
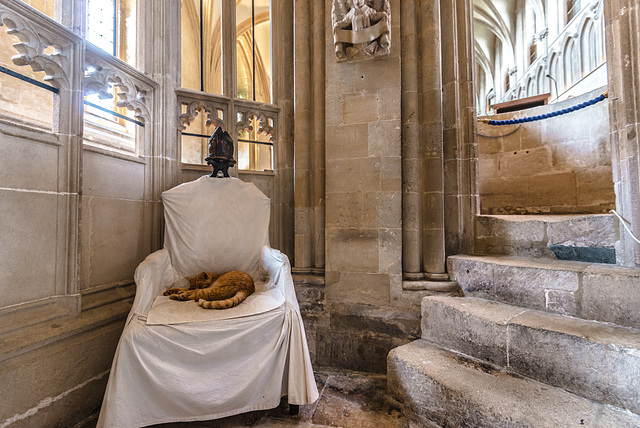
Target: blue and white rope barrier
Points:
(546, 115)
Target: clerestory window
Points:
(226, 54)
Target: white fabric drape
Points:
(218, 363)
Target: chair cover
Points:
(179, 362)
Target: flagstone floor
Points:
(347, 400)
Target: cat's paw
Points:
(171, 291)
(184, 295)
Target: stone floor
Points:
(347, 399)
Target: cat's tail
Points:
(225, 304)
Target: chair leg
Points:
(294, 409)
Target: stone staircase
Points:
(535, 342)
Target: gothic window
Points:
(588, 48)
(555, 77)
(211, 46)
(111, 27)
(533, 52)
(201, 45)
(540, 81)
(572, 7)
(571, 64)
(253, 50)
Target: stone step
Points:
(594, 291)
(588, 238)
(596, 360)
(450, 390)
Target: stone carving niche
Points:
(361, 28)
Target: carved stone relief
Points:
(266, 123)
(38, 48)
(99, 80)
(197, 106)
(361, 28)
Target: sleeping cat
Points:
(214, 291)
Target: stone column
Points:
(411, 162)
(459, 124)
(622, 19)
(283, 90)
(157, 45)
(438, 135)
(303, 135)
(309, 136)
(317, 184)
(433, 254)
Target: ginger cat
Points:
(214, 291)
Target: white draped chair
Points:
(179, 362)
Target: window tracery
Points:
(209, 83)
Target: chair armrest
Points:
(272, 261)
(276, 264)
(154, 275)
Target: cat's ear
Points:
(205, 276)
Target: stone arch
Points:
(540, 80)
(569, 62)
(588, 46)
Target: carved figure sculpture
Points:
(360, 27)
(214, 291)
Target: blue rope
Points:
(547, 115)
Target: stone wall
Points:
(77, 218)
(560, 165)
(363, 174)
(363, 201)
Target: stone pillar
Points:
(164, 149)
(317, 184)
(303, 135)
(622, 19)
(309, 136)
(363, 174)
(438, 136)
(283, 90)
(433, 254)
(411, 161)
(459, 124)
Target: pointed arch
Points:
(540, 80)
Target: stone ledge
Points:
(103, 295)
(16, 317)
(18, 342)
(449, 287)
(307, 277)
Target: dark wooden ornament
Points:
(220, 152)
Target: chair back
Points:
(216, 225)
